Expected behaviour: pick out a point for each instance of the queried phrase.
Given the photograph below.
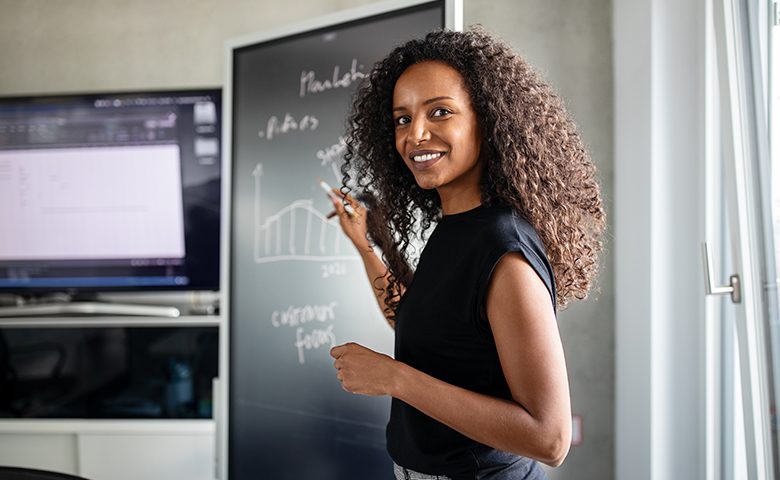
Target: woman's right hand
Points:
(353, 222)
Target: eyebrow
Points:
(429, 101)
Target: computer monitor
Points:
(110, 192)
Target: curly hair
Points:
(534, 159)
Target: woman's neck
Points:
(459, 200)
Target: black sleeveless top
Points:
(441, 329)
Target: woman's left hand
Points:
(362, 370)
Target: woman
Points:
(457, 132)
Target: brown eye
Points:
(440, 112)
(402, 120)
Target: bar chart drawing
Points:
(297, 231)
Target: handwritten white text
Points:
(310, 84)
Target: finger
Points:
(350, 210)
(338, 206)
(337, 351)
(340, 194)
(344, 210)
(349, 198)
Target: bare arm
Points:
(354, 226)
(537, 421)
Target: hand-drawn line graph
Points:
(296, 232)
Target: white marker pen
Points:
(348, 208)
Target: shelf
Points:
(106, 426)
(112, 321)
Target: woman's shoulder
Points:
(490, 225)
(509, 231)
(506, 224)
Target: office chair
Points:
(20, 473)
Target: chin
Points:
(426, 183)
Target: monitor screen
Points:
(106, 192)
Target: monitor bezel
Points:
(49, 98)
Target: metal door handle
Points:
(709, 285)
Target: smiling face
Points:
(436, 132)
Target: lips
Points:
(424, 159)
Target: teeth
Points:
(426, 157)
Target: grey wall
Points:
(87, 45)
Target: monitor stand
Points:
(66, 305)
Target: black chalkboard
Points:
(296, 284)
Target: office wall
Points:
(87, 45)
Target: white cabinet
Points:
(96, 449)
(112, 449)
(53, 451)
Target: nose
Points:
(420, 132)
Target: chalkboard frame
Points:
(453, 20)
